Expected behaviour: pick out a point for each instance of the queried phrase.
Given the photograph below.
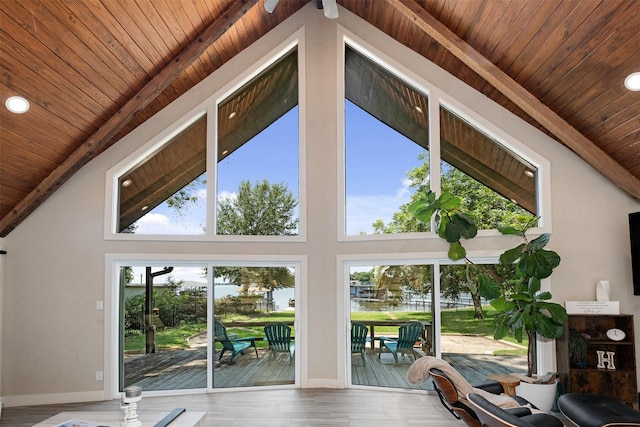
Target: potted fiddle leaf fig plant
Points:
(523, 309)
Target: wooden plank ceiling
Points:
(95, 70)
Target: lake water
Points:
(281, 301)
(280, 296)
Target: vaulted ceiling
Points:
(95, 70)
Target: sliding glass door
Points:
(253, 331)
(391, 322)
(163, 327)
(177, 332)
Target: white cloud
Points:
(157, 223)
(404, 192)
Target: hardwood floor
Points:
(287, 407)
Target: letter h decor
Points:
(606, 361)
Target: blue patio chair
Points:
(408, 334)
(279, 336)
(359, 339)
(230, 342)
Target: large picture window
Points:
(493, 182)
(257, 167)
(257, 180)
(389, 156)
(386, 145)
(166, 192)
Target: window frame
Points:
(113, 263)
(437, 97)
(210, 107)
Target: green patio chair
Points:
(408, 334)
(359, 338)
(231, 342)
(279, 336)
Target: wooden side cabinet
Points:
(595, 375)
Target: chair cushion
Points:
(492, 415)
(491, 386)
(590, 410)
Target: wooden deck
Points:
(187, 369)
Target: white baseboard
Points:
(50, 399)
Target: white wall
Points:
(53, 337)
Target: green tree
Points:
(362, 276)
(266, 277)
(490, 210)
(261, 210)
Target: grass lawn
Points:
(167, 338)
(456, 321)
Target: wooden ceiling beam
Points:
(96, 142)
(566, 133)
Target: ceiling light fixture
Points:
(418, 109)
(127, 182)
(232, 115)
(330, 7)
(632, 82)
(17, 104)
(529, 173)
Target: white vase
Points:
(541, 395)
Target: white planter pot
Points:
(541, 395)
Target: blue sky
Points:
(377, 160)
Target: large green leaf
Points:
(509, 256)
(457, 226)
(546, 326)
(500, 327)
(489, 288)
(500, 303)
(466, 224)
(542, 296)
(539, 264)
(424, 206)
(539, 242)
(456, 251)
(534, 285)
(449, 202)
(556, 311)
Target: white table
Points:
(114, 418)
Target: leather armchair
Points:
(491, 415)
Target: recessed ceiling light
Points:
(144, 208)
(529, 173)
(17, 104)
(127, 182)
(632, 82)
